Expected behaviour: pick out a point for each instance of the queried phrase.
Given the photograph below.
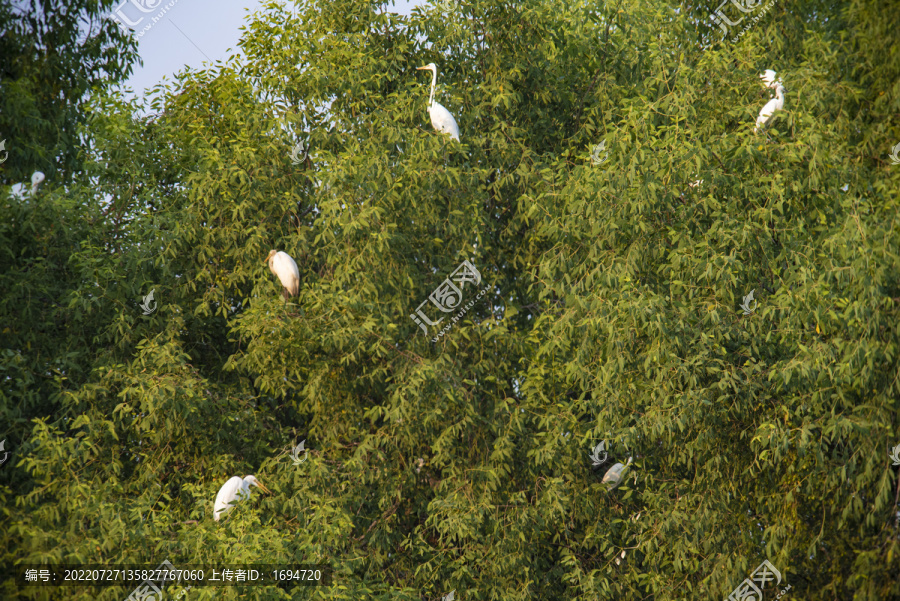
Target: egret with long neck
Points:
(775, 104)
(236, 489)
(441, 118)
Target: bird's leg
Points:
(285, 294)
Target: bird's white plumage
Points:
(614, 475)
(236, 489)
(441, 119)
(36, 179)
(19, 192)
(775, 104)
(285, 269)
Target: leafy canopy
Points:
(612, 312)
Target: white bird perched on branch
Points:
(36, 178)
(236, 489)
(768, 77)
(18, 190)
(775, 104)
(285, 269)
(441, 118)
(614, 475)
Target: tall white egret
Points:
(283, 266)
(18, 190)
(614, 475)
(775, 104)
(236, 489)
(441, 118)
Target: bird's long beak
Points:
(262, 486)
(269, 256)
(421, 68)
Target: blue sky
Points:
(192, 33)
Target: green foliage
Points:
(54, 54)
(612, 312)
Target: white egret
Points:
(236, 489)
(18, 190)
(441, 118)
(775, 104)
(614, 475)
(36, 179)
(768, 78)
(283, 266)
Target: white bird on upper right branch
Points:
(285, 268)
(775, 104)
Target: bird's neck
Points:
(433, 82)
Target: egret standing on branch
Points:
(441, 118)
(613, 477)
(283, 266)
(775, 104)
(231, 490)
(19, 192)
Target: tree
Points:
(611, 312)
(55, 53)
